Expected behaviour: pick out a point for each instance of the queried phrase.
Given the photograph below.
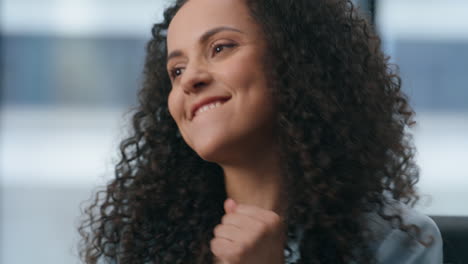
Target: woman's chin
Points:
(213, 151)
(210, 154)
(209, 158)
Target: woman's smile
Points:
(207, 107)
(208, 104)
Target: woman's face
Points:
(219, 98)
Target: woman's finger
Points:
(260, 214)
(224, 249)
(242, 221)
(229, 232)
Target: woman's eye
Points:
(220, 47)
(176, 72)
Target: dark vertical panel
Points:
(372, 9)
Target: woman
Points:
(269, 131)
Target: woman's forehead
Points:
(198, 16)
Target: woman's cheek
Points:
(174, 106)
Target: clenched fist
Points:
(248, 235)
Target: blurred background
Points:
(70, 71)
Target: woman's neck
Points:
(256, 182)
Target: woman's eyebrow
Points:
(208, 34)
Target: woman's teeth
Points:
(207, 107)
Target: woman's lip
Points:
(206, 101)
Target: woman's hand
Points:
(248, 235)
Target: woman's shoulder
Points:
(393, 245)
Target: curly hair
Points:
(342, 124)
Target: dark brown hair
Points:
(342, 122)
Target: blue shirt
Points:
(391, 245)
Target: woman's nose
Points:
(195, 78)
